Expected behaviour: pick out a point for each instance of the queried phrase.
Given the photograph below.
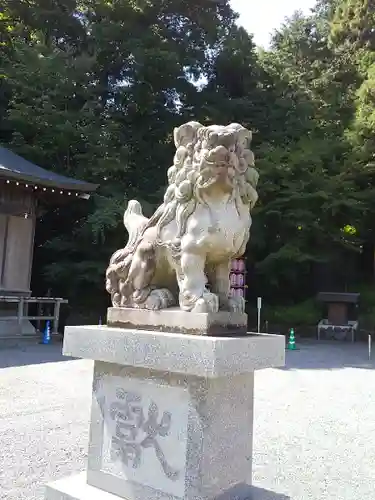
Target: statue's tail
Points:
(135, 222)
(119, 264)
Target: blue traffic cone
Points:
(47, 333)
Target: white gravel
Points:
(44, 412)
(314, 422)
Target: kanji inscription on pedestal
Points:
(145, 433)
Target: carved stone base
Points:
(172, 414)
(175, 320)
(76, 488)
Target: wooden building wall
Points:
(17, 226)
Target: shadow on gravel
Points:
(32, 354)
(261, 494)
(329, 355)
(251, 493)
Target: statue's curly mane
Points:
(191, 173)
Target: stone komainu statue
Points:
(203, 223)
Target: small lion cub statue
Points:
(201, 226)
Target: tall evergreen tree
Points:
(353, 33)
(95, 89)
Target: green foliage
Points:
(307, 195)
(353, 24)
(366, 309)
(301, 314)
(93, 89)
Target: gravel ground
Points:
(314, 422)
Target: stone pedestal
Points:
(172, 414)
(222, 323)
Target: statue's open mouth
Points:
(223, 174)
(218, 163)
(219, 175)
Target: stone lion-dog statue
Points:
(182, 254)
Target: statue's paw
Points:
(236, 304)
(153, 303)
(159, 299)
(116, 300)
(124, 302)
(208, 303)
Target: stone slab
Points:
(177, 321)
(12, 328)
(198, 355)
(76, 488)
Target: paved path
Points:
(314, 423)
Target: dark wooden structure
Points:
(338, 323)
(23, 188)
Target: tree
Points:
(353, 24)
(96, 88)
(352, 32)
(307, 196)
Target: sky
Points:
(261, 17)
